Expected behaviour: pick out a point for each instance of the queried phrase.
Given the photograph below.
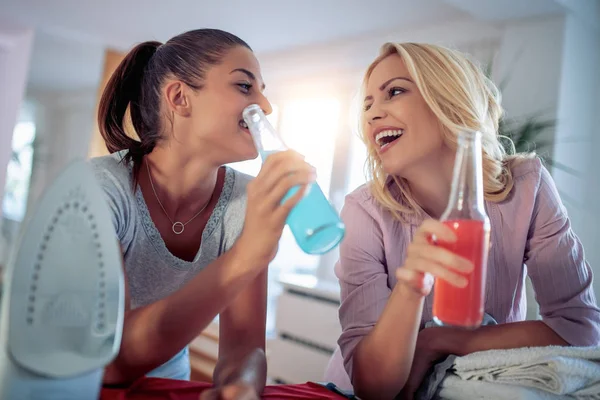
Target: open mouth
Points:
(243, 125)
(386, 138)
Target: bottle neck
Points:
(466, 196)
(266, 139)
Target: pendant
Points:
(178, 228)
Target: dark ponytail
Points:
(123, 90)
(136, 84)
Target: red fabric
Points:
(170, 389)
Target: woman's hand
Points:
(265, 213)
(426, 261)
(432, 346)
(234, 391)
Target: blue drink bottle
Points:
(314, 222)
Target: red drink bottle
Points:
(465, 214)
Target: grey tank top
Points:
(152, 271)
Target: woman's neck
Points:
(430, 184)
(183, 181)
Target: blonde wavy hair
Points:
(462, 98)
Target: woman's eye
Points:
(395, 91)
(245, 87)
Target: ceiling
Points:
(71, 35)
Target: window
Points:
(18, 173)
(357, 174)
(18, 176)
(309, 126)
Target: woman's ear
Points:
(177, 98)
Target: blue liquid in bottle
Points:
(314, 222)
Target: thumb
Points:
(209, 394)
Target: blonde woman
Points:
(420, 96)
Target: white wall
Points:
(591, 230)
(529, 65)
(15, 48)
(577, 136)
(528, 70)
(342, 62)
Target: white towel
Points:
(555, 369)
(454, 388)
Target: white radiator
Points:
(307, 328)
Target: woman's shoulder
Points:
(241, 178)
(362, 197)
(528, 174)
(112, 171)
(528, 168)
(362, 210)
(233, 197)
(238, 182)
(232, 204)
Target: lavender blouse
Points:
(531, 235)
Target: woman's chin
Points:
(394, 169)
(251, 155)
(244, 156)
